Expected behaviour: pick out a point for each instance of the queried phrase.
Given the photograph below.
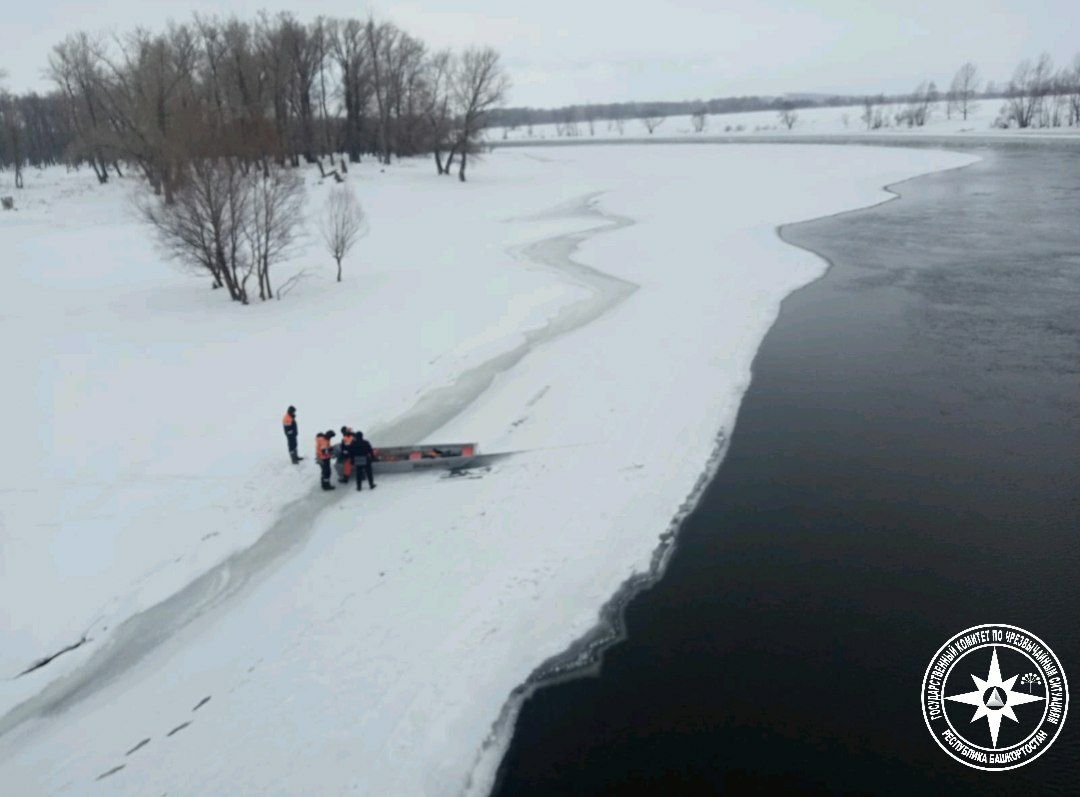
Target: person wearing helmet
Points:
(291, 432)
(323, 453)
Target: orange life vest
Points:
(322, 447)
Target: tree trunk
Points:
(338, 269)
(461, 169)
(438, 161)
(307, 125)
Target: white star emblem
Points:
(994, 698)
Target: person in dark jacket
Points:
(343, 464)
(291, 432)
(323, 448)
(362, 456)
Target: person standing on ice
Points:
(291, 432)
(344, 463)
(322, 456)
(362, 455)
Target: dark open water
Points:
(906, 464)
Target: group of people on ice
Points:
(353, 455)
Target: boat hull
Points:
(450, 456)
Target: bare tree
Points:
(919, 106)
(566, 123)
(1029, 86)
(76, 69)
(1072, 91)
(381, 39)
(699, 120)
(868, 112)
(437, 106)
(12, 148)
(348, 44)
(479, 85)
(788, 116)
(273, 219)
(652, 122)
(964, 88)
(204, 227)
(342, 224)
(302, 51)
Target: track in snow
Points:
(141, 633)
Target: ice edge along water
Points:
(141, 633)
(584, 656)
(799, 211)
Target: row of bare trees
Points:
(1040, 96)
(1036, 96)
(31, 132)
(273, 90)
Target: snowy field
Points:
(845, 122)
(595, 308)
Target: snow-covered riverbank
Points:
(842, 124)
(368, 643)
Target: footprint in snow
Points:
(178, 728)
(137, 747)
(112, 771)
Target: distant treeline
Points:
(520, 117)
(1037, 95)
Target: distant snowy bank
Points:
(845, 122)
(597, 309)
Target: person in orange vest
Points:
(343, 464)
(322, 456)
(291, 432)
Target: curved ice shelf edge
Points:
(584, 655)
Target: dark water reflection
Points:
(906, 464)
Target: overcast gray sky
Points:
(560, 52)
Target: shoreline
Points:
(584, 657)
(832, 545)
